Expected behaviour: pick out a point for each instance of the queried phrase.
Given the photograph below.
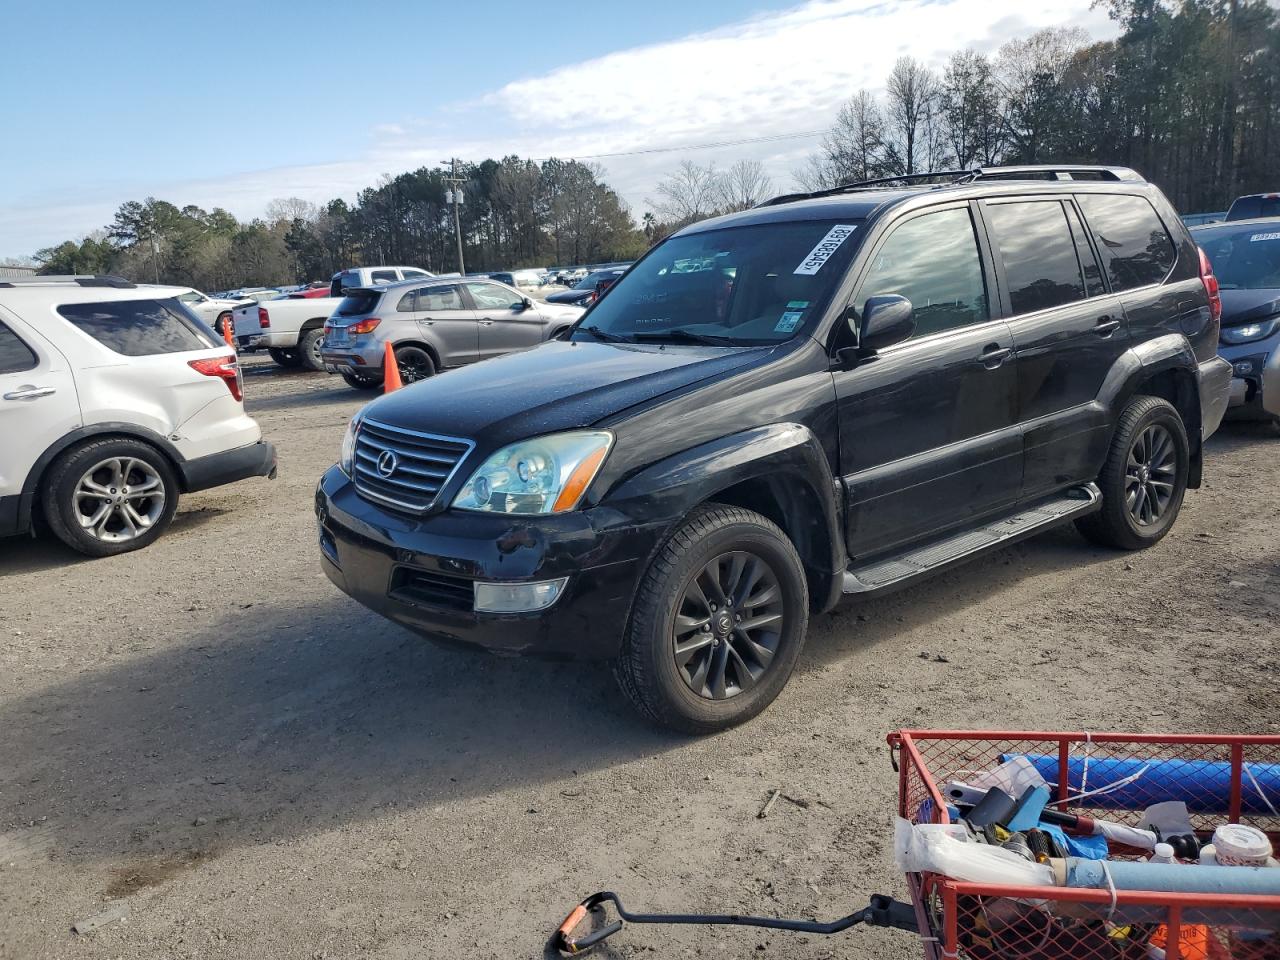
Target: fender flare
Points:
(786, 459)
(1170, 352)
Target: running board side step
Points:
(886, 574)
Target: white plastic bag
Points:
(945, 848)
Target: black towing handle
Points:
(883, 911)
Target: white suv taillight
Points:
(224, 367)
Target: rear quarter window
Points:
(15, 356)
(1135, 246)
(140, 328)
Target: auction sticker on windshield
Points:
(1254, 239)
(826, 247)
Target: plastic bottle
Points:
(1163, 853)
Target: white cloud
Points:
(773, 74)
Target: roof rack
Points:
(948, 178)
(84, 281)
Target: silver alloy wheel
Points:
(313, 349)
(728, 625)
(1150, 474)
(119, 499)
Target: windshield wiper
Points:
(679, 335)
(604, 335)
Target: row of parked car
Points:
(836, 393)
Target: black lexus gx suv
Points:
(833, 393)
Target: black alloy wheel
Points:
(726, 631)
(1151, 475)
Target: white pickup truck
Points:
(289, 328)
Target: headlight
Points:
(544, 475)
(1250, 331)
(347, 456)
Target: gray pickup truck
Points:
(434, 325)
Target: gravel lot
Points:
(211, 735)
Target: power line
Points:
(694, 146)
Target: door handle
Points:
(486, 323)
(1106, 326)
(994, 355)
(427, 323)
(30, 393)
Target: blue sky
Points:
(234, 103)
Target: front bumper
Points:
(254, 460)
(419, 571)
(1255, 385)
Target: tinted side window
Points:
(439, 298)
(1135, 247)
(15, 356)
(1092, 272)
(932, 261)
(139, 328)
(410, 274)
(406, 304)
(1040, 265)
(384, 276)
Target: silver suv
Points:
(434, 325)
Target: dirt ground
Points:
(211, 735)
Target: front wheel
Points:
(361, 383)
(718, 622)
(285, 358)
(110, 496)
(1144, 478)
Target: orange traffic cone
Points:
(229, 333)
(390, 370)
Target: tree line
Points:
(514, 213)
(1188, 94)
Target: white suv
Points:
(114, 399)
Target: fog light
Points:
(517, 597)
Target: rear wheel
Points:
(718, 622)
(1144, 478)
(361, 383)
(285, 358)
(110, 496)
(309, 348)
(415, 364)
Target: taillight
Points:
(224, 367)
(367, 325)
(264, 318)
(1210, 286)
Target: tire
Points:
(415, 364)
(288, 359)
(714, 537)
(309, 349)
(1149, 434)
(361, 383)
(220, 324)
(109, 466)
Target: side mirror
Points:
(525, 304)
(885, 321)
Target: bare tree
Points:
(289, 209)
(689, 194)
(743, 185)
(912, 94)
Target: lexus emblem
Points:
(387, 463)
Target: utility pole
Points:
(455, 188)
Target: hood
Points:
(560, 385)
(1248, 306)
(570, 296)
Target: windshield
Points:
(758, 284)
(1245, 258)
